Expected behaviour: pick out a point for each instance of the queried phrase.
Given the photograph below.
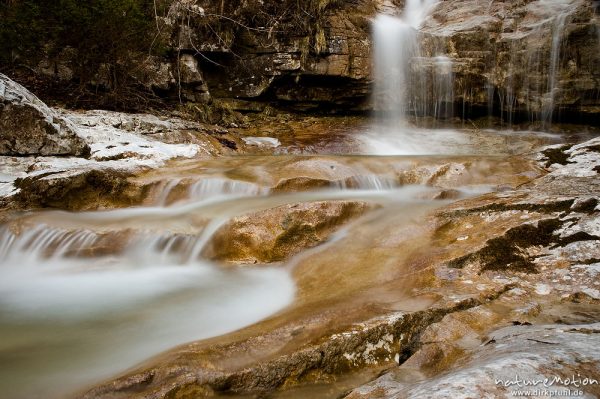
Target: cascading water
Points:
(557, 34)
(530, 77)
(396, 45)
(85, 295)
(204, 188)
(409, 83)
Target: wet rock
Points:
(275, 234)
(301, 184)
(81, 189)
(459, 342)
(525, 353)
(122, 145)
(519, 58)
(29, 127)
(375, 341)
(547, 227)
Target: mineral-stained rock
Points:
(482, 323)
(277, 233)
(520, 58)
(29, 127)
(527, 353)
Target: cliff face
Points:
(309, 56)
(522, 60)
(534, 60)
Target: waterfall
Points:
(539, 47)
(395, 44)
(406, 80)
(557, 34)
(409, 81)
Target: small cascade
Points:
(369, 182)
(176, 189)
(552, 86)
(44, 242)
(165, 190)
(213, 187)
(169, 247)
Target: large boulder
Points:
(30, 127)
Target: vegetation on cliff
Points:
(105, 38)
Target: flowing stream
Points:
(86, 295)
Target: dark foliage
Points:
(104, 38)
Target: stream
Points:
(86, 295)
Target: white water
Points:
(210, 187)
(70, 316)
(396, 44)
(206, 187)
(72, 313)
(557, 34)
(68, 322)
(408, 83)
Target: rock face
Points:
(524, 60)
(520, 59)
(302, 56)
(29, 127)
(277, 233)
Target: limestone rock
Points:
(528, 353)
(277, 233)
(29, 127)
(519, 58)
(191, 79)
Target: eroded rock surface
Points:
(278, 233)
(119, 146)
(527, 354)
(29, 127)
(541, 239)
(507, 278)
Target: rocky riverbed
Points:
(441, 302)
(431, 271)
(451, 249)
